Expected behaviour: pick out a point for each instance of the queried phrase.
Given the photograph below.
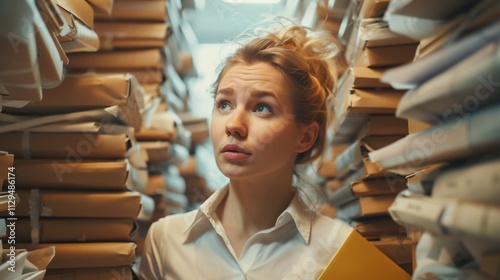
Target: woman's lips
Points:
(234, 152)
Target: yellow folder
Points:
(358, 259)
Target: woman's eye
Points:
(223, 105)
(263, 108)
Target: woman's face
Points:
(253, 129)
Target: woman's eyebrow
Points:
(225, 91)
(264, 93)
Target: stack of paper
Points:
(453, 163)
(30, 53)
(364, 107)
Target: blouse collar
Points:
(205, 217)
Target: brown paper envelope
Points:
(62, 145)
(79, 204)
(80, 8)
(155, 151)
(110, 31)
(363, 101)
(94, 273)
(388, 55)
(373, 8)
(154, 135)
(77, 230)
(136, 59)
(365, 77)
(366, 207)
(71, 173)
(375, 227)
(84, 92)
(86, 255)
(104, 6)
(133, 10)
(378, 187)
(400, 251)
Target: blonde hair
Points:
(306, 61)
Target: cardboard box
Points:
(122, 60)
(356, 250)
(116, 35)
(71, 173)
(84, 145)
(87, 255)
(134, 10)
(94, 273)
(76, 230)
(78, 204)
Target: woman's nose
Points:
(237, 124)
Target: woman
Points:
(270, 115)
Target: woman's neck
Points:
(252, 206)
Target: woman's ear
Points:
(309, 135)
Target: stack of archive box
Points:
(76, 158)
(363, 121)
(451, 87)
(134, 38)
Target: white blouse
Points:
(194, 245)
